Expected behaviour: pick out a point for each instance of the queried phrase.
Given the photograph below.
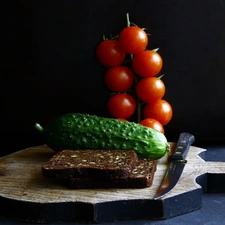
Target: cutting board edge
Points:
(120, 210)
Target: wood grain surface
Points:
(22, 183)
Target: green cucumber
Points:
(84, 131)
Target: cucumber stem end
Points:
(39, 127)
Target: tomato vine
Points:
(141, 79)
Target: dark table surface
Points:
(211, 212)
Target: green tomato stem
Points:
(128, 20)
(138, 110)
(138, 102)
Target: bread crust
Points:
(141, 176)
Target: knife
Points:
(176, 165)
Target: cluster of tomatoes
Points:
(132, 76)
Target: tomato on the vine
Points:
(133, 39)
(121, 106)
(159, 110)
(109, 53)
(150, 89)
(147, 63)
(152, 123)
(119, 78)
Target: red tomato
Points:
(159, 110)
(152, 123)
(150, 89)
(109, 53)
(121, 106)
(119, 78)
(133, 39)
(147, 63)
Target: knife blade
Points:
(176, 165)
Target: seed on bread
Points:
(91, 163)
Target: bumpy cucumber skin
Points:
(84, 131)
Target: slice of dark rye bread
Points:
(141, 176)
(100, 164)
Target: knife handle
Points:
(184, 142)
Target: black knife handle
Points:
(184, 142)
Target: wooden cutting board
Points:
(26, 195)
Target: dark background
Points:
(48, 65)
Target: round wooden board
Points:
(22, 185)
